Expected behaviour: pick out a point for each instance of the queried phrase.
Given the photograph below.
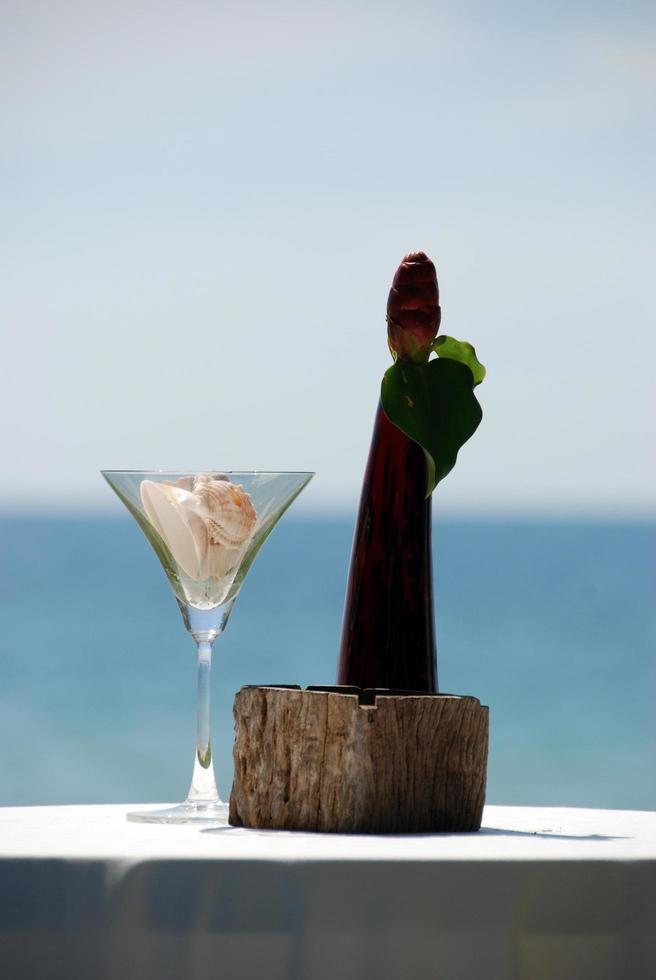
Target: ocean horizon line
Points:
(341, 514)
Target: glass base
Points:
(196, 813)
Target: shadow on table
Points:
(483, 832)
(546, 834)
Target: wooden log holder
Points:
(342, 760)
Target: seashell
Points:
(206, 523)
(186, 482)
(229, 512)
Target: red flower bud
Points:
(413, 311)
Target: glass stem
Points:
(203, 784)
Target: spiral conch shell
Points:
(205, 522)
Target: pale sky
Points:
(203, 205)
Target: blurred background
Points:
(203, 207)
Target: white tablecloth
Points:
(538, 893)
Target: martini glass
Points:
(206, 529)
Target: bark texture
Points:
(326, 760)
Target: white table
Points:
(538, 893)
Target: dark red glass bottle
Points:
(388, 632)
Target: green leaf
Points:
(460, 350)
(434, 404)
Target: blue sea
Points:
(553, 624)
